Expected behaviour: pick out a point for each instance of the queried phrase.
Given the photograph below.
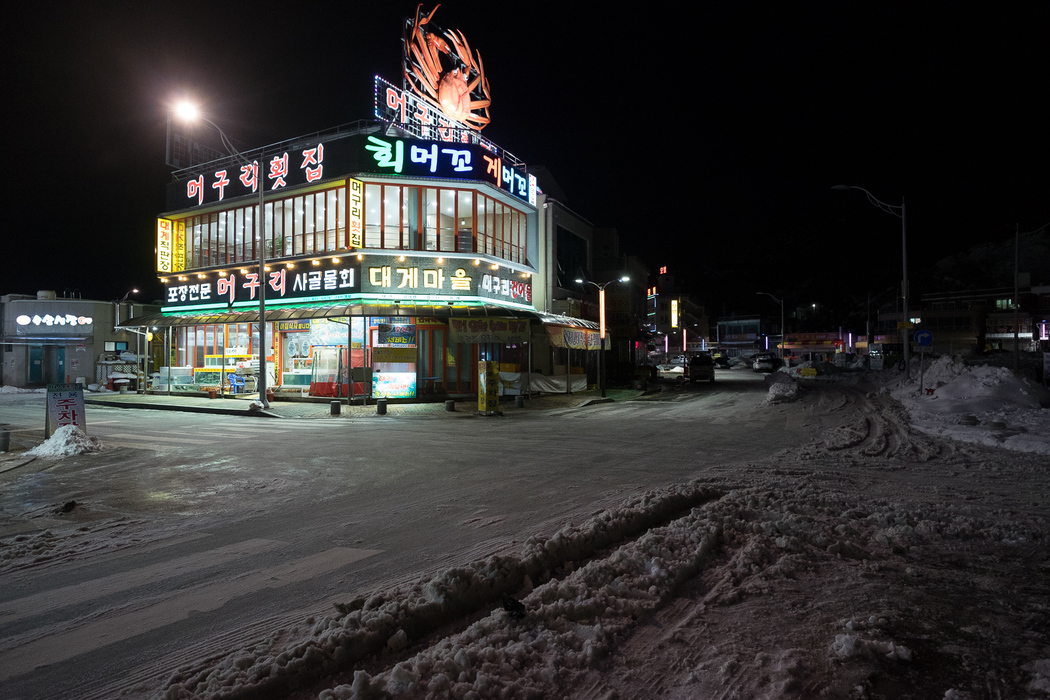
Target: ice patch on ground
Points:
(67, 441)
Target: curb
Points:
(184, 409)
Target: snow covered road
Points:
(867, 560)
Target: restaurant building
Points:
(395, 262)
(399, 252)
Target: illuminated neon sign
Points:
(395, 277)
(350, 155)
(412, 158)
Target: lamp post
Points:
(601, 323)
(901, 214)
(189, 113)
(782, 334)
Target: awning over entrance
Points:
(342, 310)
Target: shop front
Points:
(47, 339)
(359, 325)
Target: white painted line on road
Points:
(89, 590)
(51, 650)
(157, 438)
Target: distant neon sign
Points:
(53, 320)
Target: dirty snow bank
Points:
(587, 601)
(393, 618)
(783, 388)
(68, 440)
(984, 405)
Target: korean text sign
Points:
(65, 406)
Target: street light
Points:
(782, 335)
(188, 112)
(601, 322)
(901, 214)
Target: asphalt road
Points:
(193, 535)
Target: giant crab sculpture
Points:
(440, 68)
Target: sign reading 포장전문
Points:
(65, 406)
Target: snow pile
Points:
(984, 405)
(635, 580)
(5, 389)
(1040, 671)
(68, 440)
(588, 598)
(862, 641)
(782, 389)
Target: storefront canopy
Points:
(342, 310)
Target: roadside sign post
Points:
(65, 406)
(923, 339)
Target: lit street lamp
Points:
(900, 213)
(601, 323)
(782, 334)
(188, 112)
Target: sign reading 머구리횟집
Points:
(344, 157)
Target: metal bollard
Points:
(519, 402)
(5, 441)
(450, 406)
(380, 407)
(336, 407)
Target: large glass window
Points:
(465, 219)
(430, 206)
(373, 215)
(396, 217)
(300, 225)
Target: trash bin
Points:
(336, 407)
(381, 407)
(5, 441)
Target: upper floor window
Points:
(395, 217)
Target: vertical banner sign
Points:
(356, 212)
(164, 245)
(488, 388)
(179, 256)
(65, 406)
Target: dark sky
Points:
(708, 133)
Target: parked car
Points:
(765, 362)
(701, 366)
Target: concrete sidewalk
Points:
(240, 406)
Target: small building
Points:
(49, 339)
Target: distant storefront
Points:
(58, 340)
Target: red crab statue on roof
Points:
(440, 68)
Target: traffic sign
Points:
(923, 338)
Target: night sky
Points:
(708, 135)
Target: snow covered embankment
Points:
(746, 540)
(983, 405)
(633, 579)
